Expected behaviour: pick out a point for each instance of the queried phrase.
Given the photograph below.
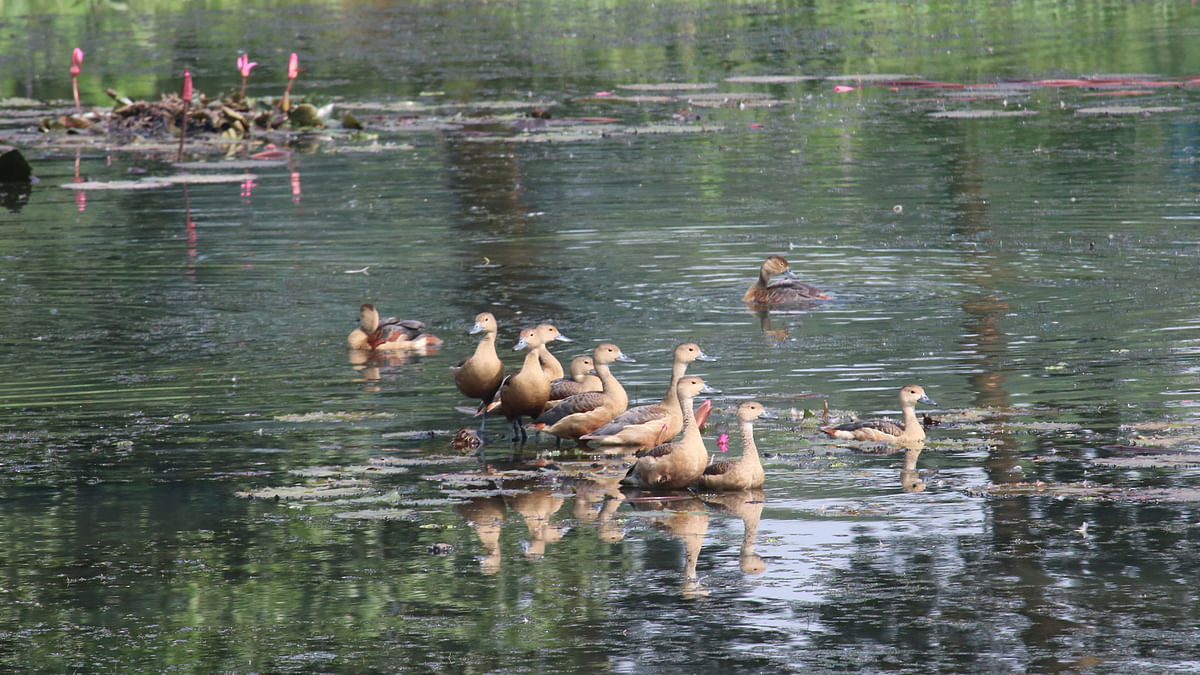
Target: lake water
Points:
(171, 356)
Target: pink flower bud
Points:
(76, 61)
(244, 64)
(186, 94)
(842, 89)
(293, 66)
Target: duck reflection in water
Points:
(603, 488)
(910, 477)
(684, 518)
(537, 506)
(486, 515)
(747, 505)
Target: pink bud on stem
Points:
(244, 65)
(293, 72)
(186, 95)
(76, 68)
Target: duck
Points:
(390, 334)
(480, 374)
(782, 292)
(583, 413)
(649, 425)
(907, 431)
(746, 472)
(524, 393)
(676, 465)
(549, 333)
(581, 380)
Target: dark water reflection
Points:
(166, 349)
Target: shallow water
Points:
(1038, 278)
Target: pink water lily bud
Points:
(723, 442)
(76, 61)
(842, 89)
(293, 66)
(244, 64)
(186, 94)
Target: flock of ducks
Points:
(589, 405)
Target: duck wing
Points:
(579, 403)
(786, 290)
(564, 387)
(886, 426)
(638, 415)
(657, 451)
(718, 468)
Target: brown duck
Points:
(580, 414)
(390, 334)
(480, 374)
(784, 291)
(746, 472)
(907, 431)
(676, 465)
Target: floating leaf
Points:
(1128, 110)
(669, 86)
(1171, 461)
(980, 114)
(309, 491)
(375, 514)
(771, 79)
(342, 416)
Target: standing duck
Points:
(649, 425)
(907, 431)
(524, 393)
(746, 472)
(480, 374)
(390, 334)
(583, 413)
(676, 465)
(782, 292)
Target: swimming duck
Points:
(549, 333)
(480, 374)
(390, 334)
(524, 393)
(649, 425)
(581, 380)
(583, 413)
(784, 291)
(676, 465)
(907, 431)
(746, 472)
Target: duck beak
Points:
(705, 357)
(521, 344)
(709, 390)
(926, 400)
(789, 274)
(477, 328)
(626, 359)
(562, 338)
(768, 415)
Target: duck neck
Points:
(611, 387)
(487, 346)
(691, 432)
(671, 398)
(749, 449)
(532, 364)
(912, 426)
(550, 364)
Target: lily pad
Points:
(771, 79)
(342, 416)
(669, 86)
(980, 114)
(353, 469)
(1128, 110)
(226, 165)
(375, 514)
(310, 492)
(870, 77)
(1170, 461)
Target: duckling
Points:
(676, 465)
(908, 431)
(746, 472)
(649, 425)
(479, 375)
(781, 292)
(524, 393)
(580, 414)
(549, 333)
(581, 380)
(390, 334)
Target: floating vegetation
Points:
(1179, 460)
(1128, 110)
(669, 86)
(980, 114)
(1086, 490)
(871, 77)
(329, 471)
(160, 182)
(592, 133)
(771, 79)
(227, 164)
(341, 416)
(375, 514)
(310, 492)
(1037, 427)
